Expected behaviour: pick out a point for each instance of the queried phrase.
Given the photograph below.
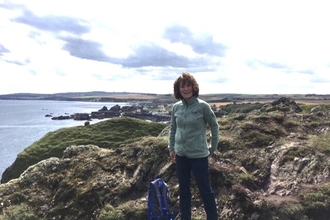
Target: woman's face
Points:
(186, 90)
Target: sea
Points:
(22, 122)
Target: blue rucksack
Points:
(158, 201)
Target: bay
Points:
(22, 122)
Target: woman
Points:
(188, 145)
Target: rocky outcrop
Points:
(269, 165)
(87, 179)
(130, 111)
(284, 104)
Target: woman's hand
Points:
(172, 155)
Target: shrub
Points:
(292, 211)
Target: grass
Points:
(18, 212)
(326, 189)
(309, 107)
(322, 142)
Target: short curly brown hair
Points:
(186, 79)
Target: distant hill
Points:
(80, 96)
(101, 96)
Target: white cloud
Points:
(142, 46)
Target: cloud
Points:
(155, 55)
(147, 55)
(307, 71)
(17, 62)
(84, 49)
(53, 23)
(320, 80)
(11, 6)
(202, 44)
(270, 64)
(3, 50)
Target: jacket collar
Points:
(190, 101)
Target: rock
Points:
(81, 116)
(103, 109)
(66, 117)
(115, 108)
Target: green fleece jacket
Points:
(189, 120)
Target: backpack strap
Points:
(150, 201)
(165, 194)
(159, 196)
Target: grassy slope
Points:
(106, 134)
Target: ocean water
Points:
(22, 122)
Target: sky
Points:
(236, 46)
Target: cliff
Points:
(272, 163)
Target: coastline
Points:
(22, 122)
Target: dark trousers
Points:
(199, 167)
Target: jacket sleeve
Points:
(212, 121)
(171, 139)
